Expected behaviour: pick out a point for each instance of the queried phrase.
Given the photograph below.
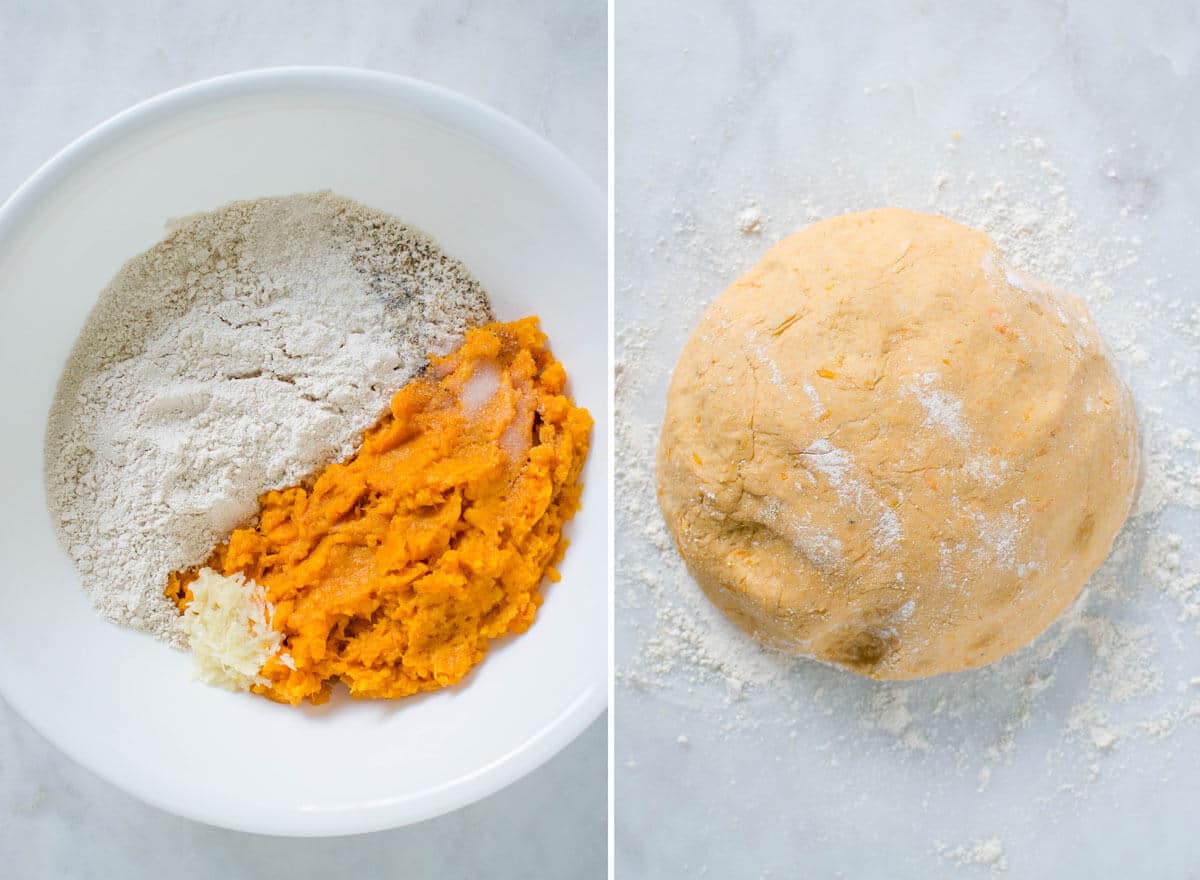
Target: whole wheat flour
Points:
(244, 351)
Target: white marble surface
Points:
(1073, 129)
(67, 66)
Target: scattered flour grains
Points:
(244, 351)
(1106, 699)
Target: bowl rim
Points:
(463, 113)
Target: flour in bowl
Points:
(241, 353)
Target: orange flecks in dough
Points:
(826, 374)
(1000, 323)
(393, 570)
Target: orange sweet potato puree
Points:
(393, 571)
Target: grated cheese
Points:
(227, 625)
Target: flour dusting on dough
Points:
(941, 410)
(837, 467)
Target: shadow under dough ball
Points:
(886, 449)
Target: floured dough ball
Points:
(885, 449)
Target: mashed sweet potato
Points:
(394, 569)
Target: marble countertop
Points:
(1070, 130)
(66, 66)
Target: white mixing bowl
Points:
(530, 227)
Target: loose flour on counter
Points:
(1100, 690)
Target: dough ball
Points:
(885, 449)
